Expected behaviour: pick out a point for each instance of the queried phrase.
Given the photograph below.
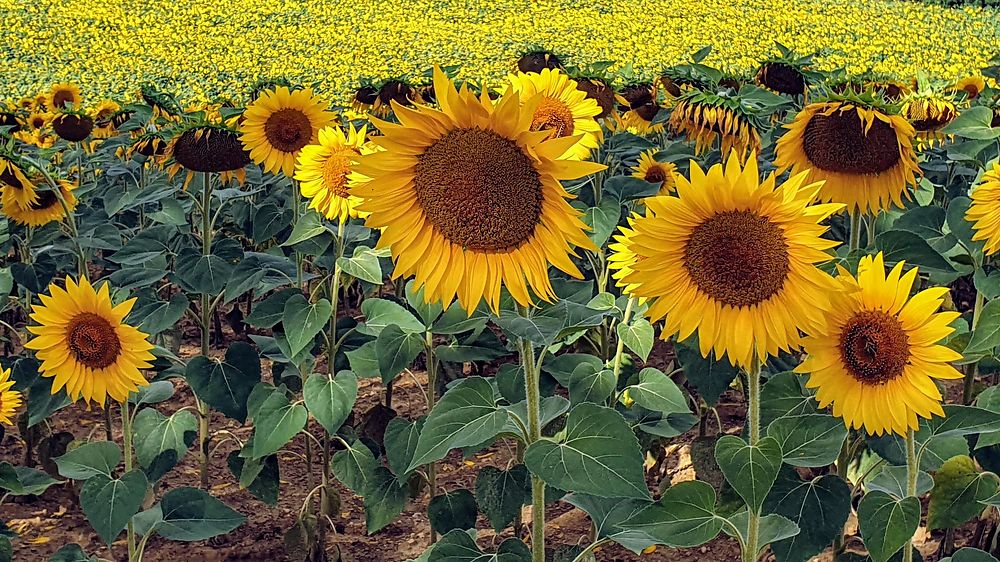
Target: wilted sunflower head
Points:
(537, 60)
(395, 91)
(73, 126)
(103, 114)
(364, 97)
(859, 146)
(929, 110)
(63, 96)
(207, 148)
(148, 145)
(703, 118)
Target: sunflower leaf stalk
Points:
(973, 370)
(432, 372)
(127, 447)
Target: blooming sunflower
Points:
(622, 258)
(39, 120)
(984, 212)
(661, 173)
(971, 85)
(279, 123)
(733, 258)
(10, 400)
(864, 154)
(16, 184)
(63, 96)
(876, 354)
(468, 197)
(703, 118)
(83, 341)
(324, 170)
(564, 109)
(44, 209)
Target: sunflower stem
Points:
(206, 322)
(753, 432)
(127, 447)
(432, 369)
(912, 471)
(620, 350)
(871, 230)
(532, 393)
(973, 370)
(855, 240)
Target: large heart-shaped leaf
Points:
(90, 459)
(657, 392)
(684, 516)
(189, 514)
(109, 503)
(396, 350)
(226, 385)
(501, 493)
(275, 423)
(887, 523)
(819, 507)
(811, 440)
(156, 434)
(330, 400)
(302, 320)
(750, 469)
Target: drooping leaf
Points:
(958, 493)
(189, 514)
(657, 392)
(156, 434)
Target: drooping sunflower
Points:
(63, 96)
(365, 98)
(661, 173)
(83, 341)
(150, 145)
(864, 154)
(9, 121)
(564, 109)
(394, 90)
(876, 355)
(73, 126)
(600, 90)
(44, 209)
(971, 85)
(537, 60)
(929, 112)
(10, 400)
(638, 105)
(733, 258)
(279, 123)
(468, 197)
(325, 168)
(15, 183)
(703, 118)
(785, 73)
(103, 114)
(984, 212)
(207, 148)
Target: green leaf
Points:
(384, 501)
(973, 123)
(268, 312)
(886, 523)
(970, 555)
(684, 516)
(958, 493)
(330, 400)
(69, 553)
(190, 514)
(784, 395)
(309, 226)
(263, 475)
(355, 467)
(772, 528)
(750, 469)
(599, 455)
(453, 510)
(812, 440)
(156, 316)
(396, 351)
(380, 313)
(466, 415)
(207, 275)
(401, 436)
(153, 393)
(539, 329)
(90, 459)
(959, 421)
(276, 423)
(587, 386)
(710, 377)
(363, 265)
(819, 507)
(364, 360)
(24, 481)
(602, 220)
(609, 514)
(302, 321)
(657, 392)
(455, 320)
(986, 336)
(459, 546)
(501, 493)
(900, 245)
(892, 480)
(638, 336)
(269, 220)
(109, 503)
(226, 385)
(156, 434)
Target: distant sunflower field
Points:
(510, 281)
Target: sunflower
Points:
(984, 212)
(10, 400)
(782, 78)
(206, 148)
(279, 123)
(929, 112)
(733, 258)
(537, 61)
(639, 107)
(73, 126)
(622, 258)
(9, 122)
(39, 120)
(876, 355)
(703, 118)
(152, 144)
(45, 209)
(83, 341)
(864, 154)
(564, 109)
(63, 96)
(324, 170)
(661, 173)
(365, 98)
(601, 91)
(468, 197)
(103, 113)
(394, 91)
(15, 183)
(971, 85)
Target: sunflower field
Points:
(450, 296)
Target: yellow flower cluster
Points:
(206, 49)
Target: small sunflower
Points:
(863, 154)
(15, 183)
(63, 96)
(537, 61)
(83, 341)
(39, 120)
(44, 209)
(324, 170)
(661, 173)
(733, 258)
(876, 354)
(929, 112)
(150, 145)
(984, 212)
(207, 148)
(104, 124)
(639, 107)
(703, 118)
(394, 91)
(971, 85)
(9, 122)
(785, 73)
(279, 123)
(10, 400)
(365, 98)
(601, 91)
(564, 109)
(468, 197)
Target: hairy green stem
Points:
(753, 426)
(206, 323)
(912, 471)
(127, 447)
(973, 370)
(620, 350)
(533, 395)
(432, 372)
(855, 240)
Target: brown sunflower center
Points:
(839, 143)
(479, 190)
(62, 98)
(782, 78)
(9, 177)
(553, 115)
(288, 130)
(738, 258)
(93, 340)
(874, 347)
(335, 171)
(46, 199)
(655, 174)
